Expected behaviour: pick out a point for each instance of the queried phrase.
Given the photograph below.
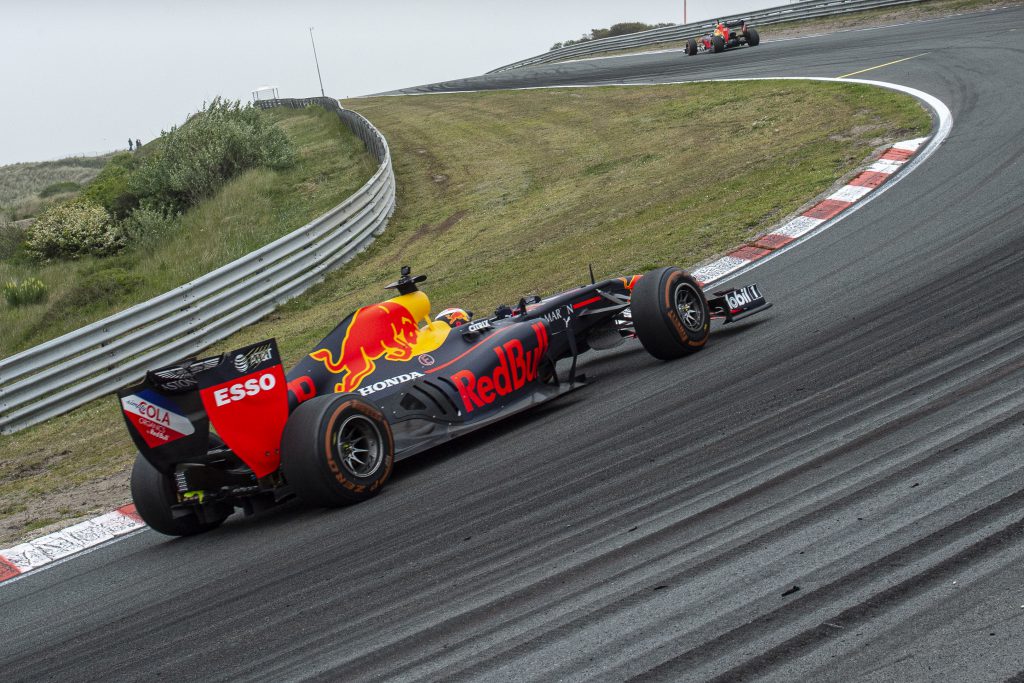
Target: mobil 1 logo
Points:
(744, 297)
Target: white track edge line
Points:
(940, 109)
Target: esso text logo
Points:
(250, 387)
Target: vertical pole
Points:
(684, 12)
(317, 61)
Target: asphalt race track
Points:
(832, 492)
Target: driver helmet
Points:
(454, 316)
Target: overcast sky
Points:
(82, 76)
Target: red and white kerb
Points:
(825, 210)
(68, 541)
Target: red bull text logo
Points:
(385, 330)
(516, 366)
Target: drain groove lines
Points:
(723, 554)
(528, 627)
(590, 590)
(1010, 529)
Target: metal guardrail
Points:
(773, 15)
(69, 371)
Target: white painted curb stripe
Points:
(907, 165)
(802, 225)
(850, 193)
(26, 557)
(798, 227)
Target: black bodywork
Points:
(214, 426)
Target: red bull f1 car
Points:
(237, 431)
(726, 35)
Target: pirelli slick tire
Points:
(717, 43)
(752, 36)
(154, 494)
(691, 46)
(337, 450)
(670, 313)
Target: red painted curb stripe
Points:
(749, 253)
(870, 179)
(130, 511)
(895, 154)
(7, 570)
(773, 241)
(829, 208)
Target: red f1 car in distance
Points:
(235, 430)
(727, 34)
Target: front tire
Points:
(752, 36)
(154, 495)
(337, 450)
(670, 314)
(717, 43)
(691, 46)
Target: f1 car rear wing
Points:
(243, 394)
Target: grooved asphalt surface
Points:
(861, 442)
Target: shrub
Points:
(146, 222)
(60, 188)
(30, 291)
(194, 161)
(74, 229)
(11, 238)
(620, 29)
(110, 188)
(106, 286)
(25, 208)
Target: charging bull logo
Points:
(516, 366)
(385, 330)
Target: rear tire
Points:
(691, 47)
(752, 36)
(717, 43)
(670, 313)
(337, 450)
(153, 493)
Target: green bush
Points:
(74, 229)
(30, 291)
(144, 223)
(193, 161)
(60, 188)
(620, 29)
(11, 239)
(106, 286)
(110, 188)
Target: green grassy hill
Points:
(252, 210)
(502, 194)
(27, 188)
(27, 180)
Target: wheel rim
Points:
(689, 307)
(359, 446)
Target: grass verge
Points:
(883, 16)
(507, 193)
(252, 210)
